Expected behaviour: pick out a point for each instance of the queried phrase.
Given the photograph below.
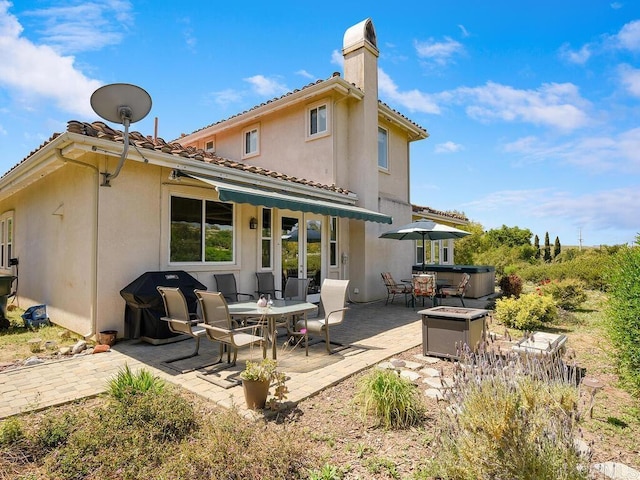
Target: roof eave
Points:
(415, 132)
(334, 84)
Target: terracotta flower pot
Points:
(107, 337)
(255, 393)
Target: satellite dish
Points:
(120, 103)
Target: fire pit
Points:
(446, 329)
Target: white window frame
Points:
(7, 233)
(383, 150)
(333, 242)
(246, 153)
(268, 238)
(203, 199)
(308, 123)
(210, 146)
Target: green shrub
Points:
(11, 431)
(127, 383)
(528, 312)
(588, 266)
(511, 285)
(392, 399)
(568, 294)
(55, 431)
(163, 415)
(623, 315)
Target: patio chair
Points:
(226, 284)
(333, 296)
(394, 288)
(180, 321)
(424, 286)
(296, 288)
(266, 285)
(221, 328)
(459, 290)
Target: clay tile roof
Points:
(101, 130)
(317, 82)
(267, 102)
(442, 213)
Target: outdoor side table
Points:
(445, 330)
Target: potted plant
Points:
(257, 378)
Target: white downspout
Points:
(94, 248)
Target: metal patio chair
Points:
(180, 321)
(221, 328)
(394, 288)
(333, 296)
(226, 284)
(459, 290)
(424, 286)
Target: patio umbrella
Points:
(424, 230)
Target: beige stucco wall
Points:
(53, 239)
(283, 144)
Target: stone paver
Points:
(616, 471)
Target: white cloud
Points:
(579, 57)
(266, 86)
(506, 198)
(305, 74)
(616, 5)
(448, 147)
(38, 71)
(226, 97)
(595, 211)
(595, 154)
(630, 78)
(439, 52)
(629, 36)
(413, 100)
(337, 58)
(86, 26)
(556, 105)
(2, 130)
(464, 31)
(599, 210)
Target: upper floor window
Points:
(383, 148)
(251, 141)
(318, 120)
(201, 230)
(210, 146)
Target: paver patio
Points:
(371, 333)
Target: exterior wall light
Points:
(253, 223)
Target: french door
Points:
(301, 250)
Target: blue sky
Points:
(533, 108)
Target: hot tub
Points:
(447, 329)
(481, 283)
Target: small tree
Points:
(536, 244)
(556, 248)
(547, 248)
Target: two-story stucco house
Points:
(301, 185)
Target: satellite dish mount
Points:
(120, 103)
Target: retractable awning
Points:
(230, 192)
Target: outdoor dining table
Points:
(278, 310)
